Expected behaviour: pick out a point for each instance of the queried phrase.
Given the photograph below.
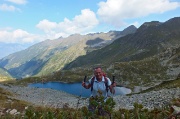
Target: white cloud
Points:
(115, 11)
(46, 25)
(80, 24)
(18, 36)
(5, 7)
(18, 1)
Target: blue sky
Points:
(32, 21)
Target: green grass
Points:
(145, 72)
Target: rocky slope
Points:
(57, 99)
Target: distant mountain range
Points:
(150, 39)
(9, 48)
(131, 44)
(51, 55)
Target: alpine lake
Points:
(75, 88)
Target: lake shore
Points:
(58, 99)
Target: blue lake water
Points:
(75, 88)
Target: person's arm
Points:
(111, 86)
(86, 86)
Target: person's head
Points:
(98, 73)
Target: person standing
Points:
(99, 83)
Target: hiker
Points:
(100, 82)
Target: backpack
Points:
(105, 82)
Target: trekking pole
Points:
(113, 80)
(81, 93)
(84, 81)
(85, 78)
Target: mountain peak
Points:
(130, 29)
(173, 22)
(146, 25)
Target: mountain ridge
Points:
(149, 39)
(31, 61)
(131, 44)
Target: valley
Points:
(145, 60)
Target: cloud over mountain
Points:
(116, 11)
(41, 20)
(79, 24)
(17, 35)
